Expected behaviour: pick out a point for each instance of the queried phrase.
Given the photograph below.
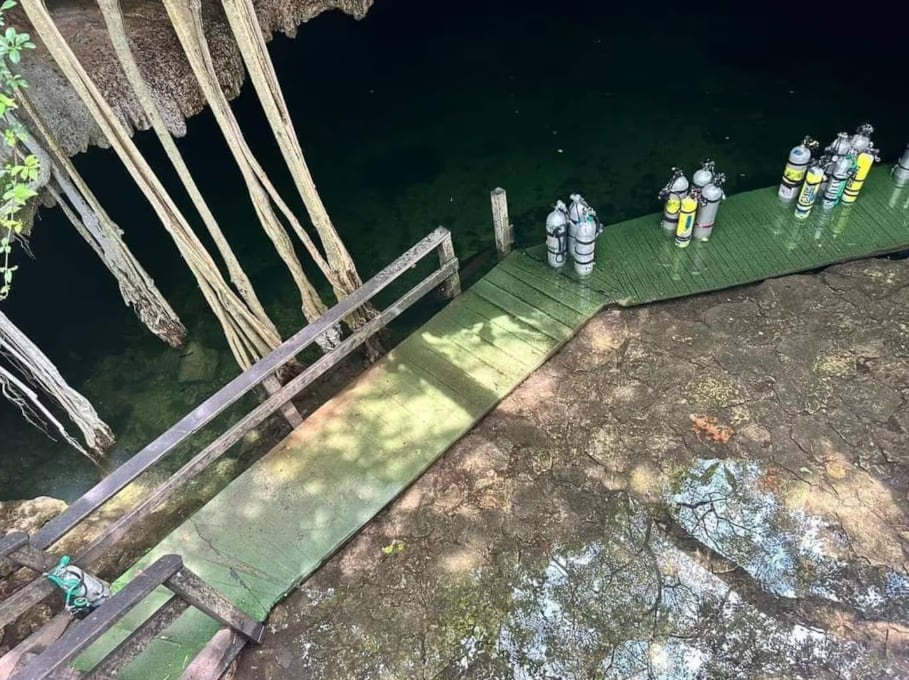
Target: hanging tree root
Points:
(244, 23)
(248, 338)
(23, 355)
(92, 222)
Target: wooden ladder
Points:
(169, 571)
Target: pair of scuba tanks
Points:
(572, 232)
(690, 209)
(835, 176)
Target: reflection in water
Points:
(730, 507)
(634, 606)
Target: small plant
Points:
(21, 169)
(395, 546)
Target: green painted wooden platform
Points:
(756, 238)
(277, 522)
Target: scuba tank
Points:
(900, 172)
(811, 188)
(672, 193)
(861, 140)
(842, 170)
(710, 198)
(686, 220)
(842, 145)
(703, 176)
(586, 233)
(576, 213)
(796, 167)
(557, 235)
(863, 163)
(84, 592)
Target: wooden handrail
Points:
(445, 277)
(168, 571)
(231, 393)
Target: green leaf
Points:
(7, 4)
(388, 549)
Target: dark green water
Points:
(408, 119)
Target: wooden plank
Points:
(138, 640)
(230, 394)
(215, 657)
(24, 599)
(571, 296)
(527, 353)
(206, 599)
(552, 307)
(511, 305)
(12, 542)
(554, 277)
(36, 560)
(499, 318)
(118, 529)
(80, 636)
(450, 333)
(38, 641)
(472, 395)
(272, 385)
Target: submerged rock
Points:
(199, 364)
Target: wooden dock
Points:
(281, 519)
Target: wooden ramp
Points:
(276, 523)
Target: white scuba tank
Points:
(900, 172)
(576, 214)
(586, 233)
(842, 169)
(796, 167)
(703, 176)
(671, 195)
(557, 235)
(842, 145)
(709, 206)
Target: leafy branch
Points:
(20, 170)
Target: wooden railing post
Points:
(272, 385)
(452, 286)
(503, 229)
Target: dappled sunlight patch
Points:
(635, 606)
(865, 509)
(646, 480)
(604, 332)
(462, 560)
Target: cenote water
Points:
(408, 118)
